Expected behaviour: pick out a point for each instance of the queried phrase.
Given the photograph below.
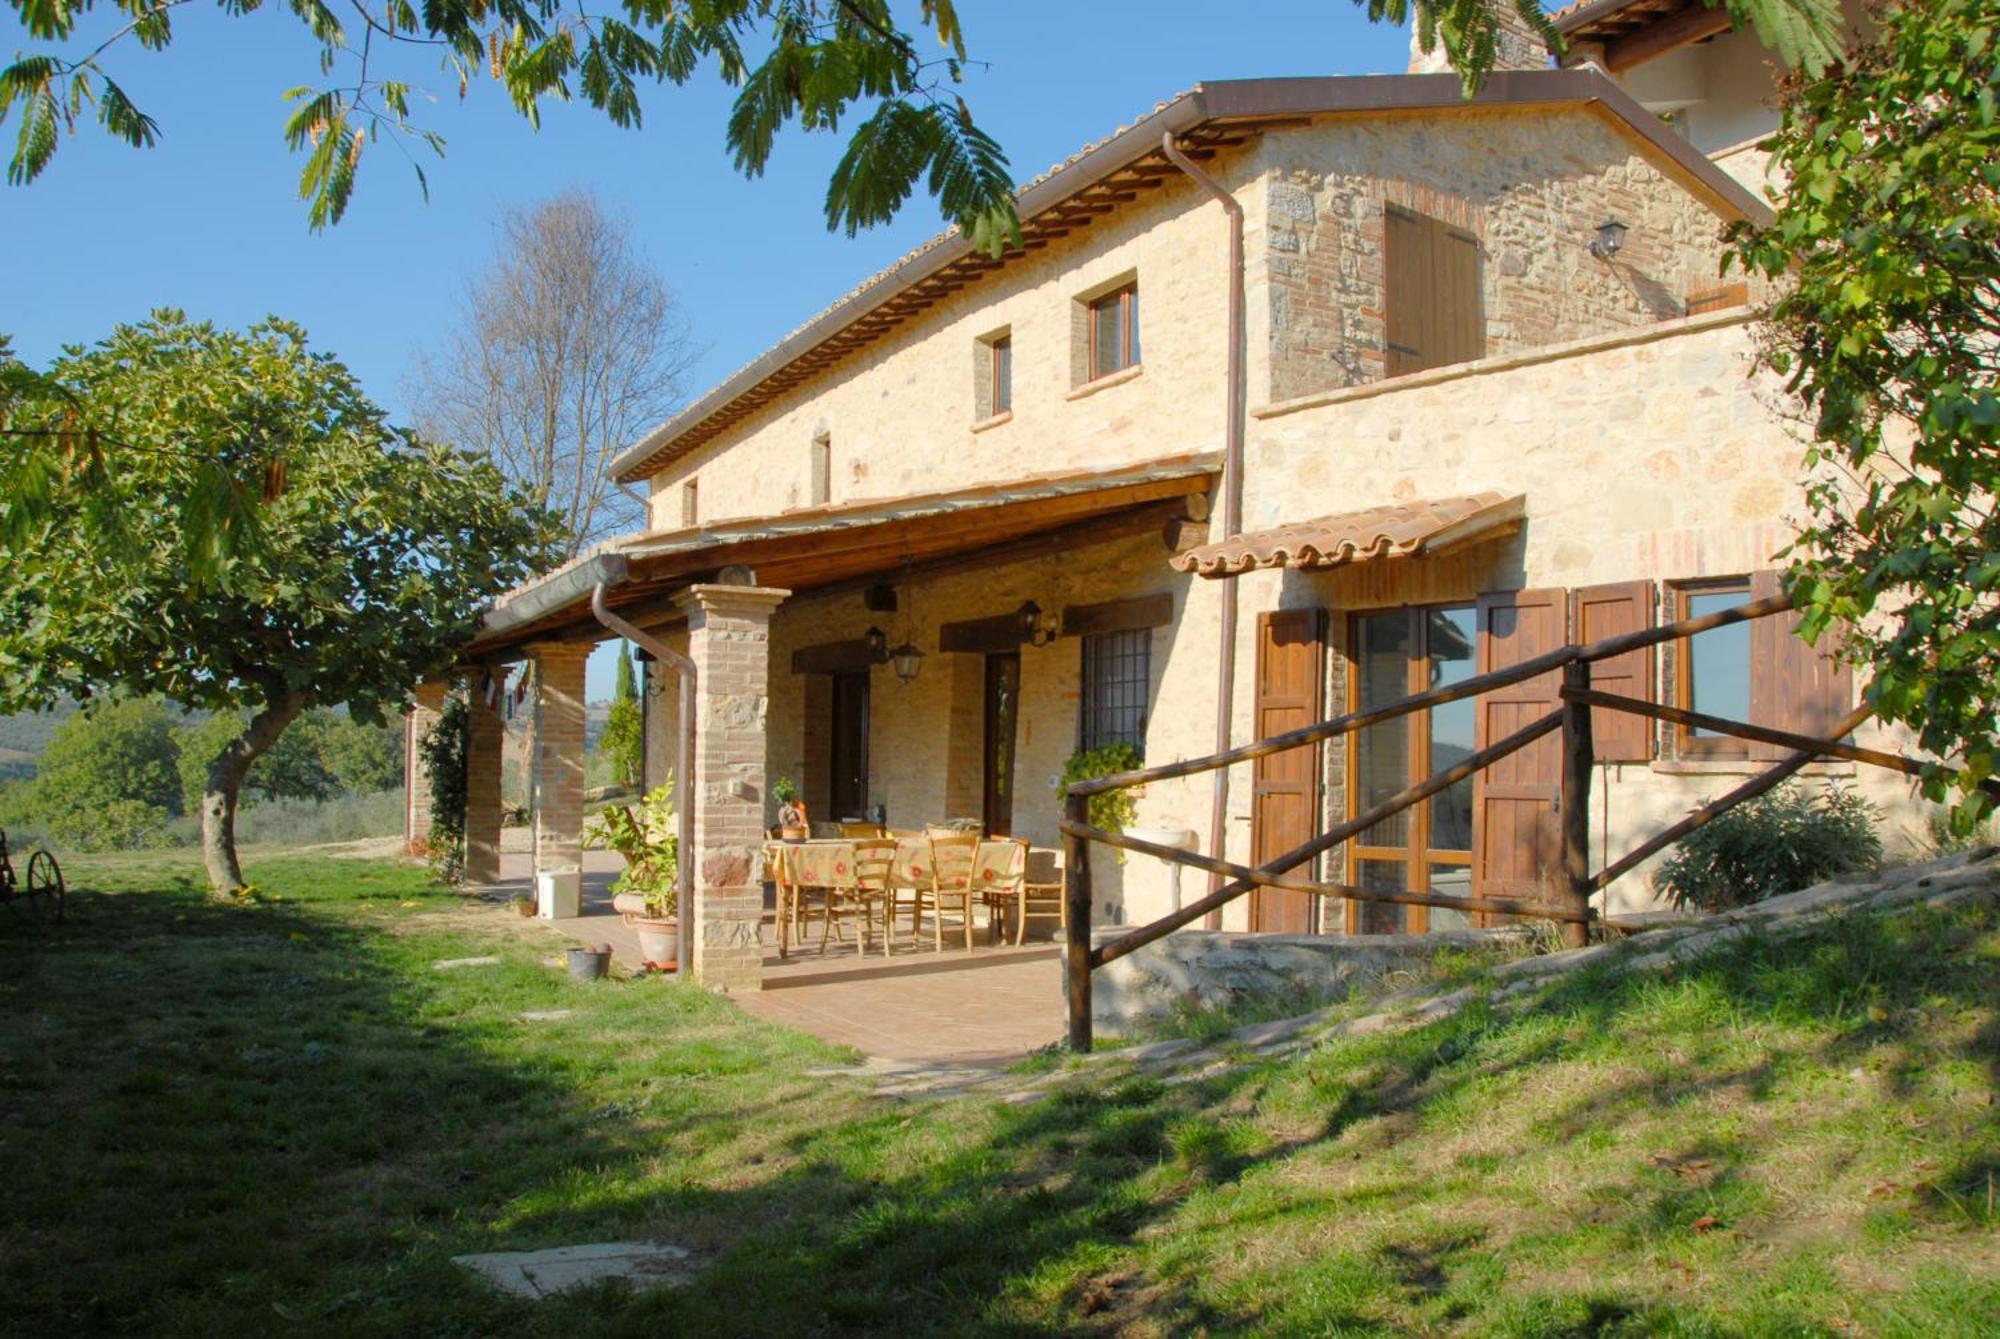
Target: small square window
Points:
(1114, 332)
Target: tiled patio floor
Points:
(989, 1006)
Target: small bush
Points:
(1777, 843)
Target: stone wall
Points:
(1655, 454)
(1531, 186)
(902, 415)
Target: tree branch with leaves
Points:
(374, 550)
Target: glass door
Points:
(1003, 698)
(1428, 847)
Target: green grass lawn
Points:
(280, 1118)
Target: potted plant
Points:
(792, 824)
(647, 893)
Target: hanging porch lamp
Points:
(907, 659)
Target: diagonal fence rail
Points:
(1568, 901)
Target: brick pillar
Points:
(729, 636)
(556, 784)
(485, 756)
(424, 711)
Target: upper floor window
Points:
(1117, 679)
(1432, 307)
(1114, 331)
(1000, 373)
(691, 502)
(993, 375)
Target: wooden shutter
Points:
(1793, 686)
(1432, 307)
(1514, 837)
(1284, 790)
(1597, 612)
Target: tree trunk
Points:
(225, 783)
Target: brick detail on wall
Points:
(729, 634)
(427, 702)
(485, 759)
(557, 783)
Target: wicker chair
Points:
(1044, 892)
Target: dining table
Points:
(821, 863)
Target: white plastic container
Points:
(558, 894)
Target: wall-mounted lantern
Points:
(1036, 630)
(1610, 239)
(878, 646)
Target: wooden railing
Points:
(1569, 903)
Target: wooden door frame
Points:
(834, 783)
(986, 774)
(1416, 920)
(1317, 773)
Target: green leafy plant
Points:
(785, 791)
(234, 526)
(1777, 843)
(822, 64)
(1112, 810)
(647, 835)
(1885, 251)
(442, 748)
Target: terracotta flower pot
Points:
(659, 936)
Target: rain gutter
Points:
(1232, 502)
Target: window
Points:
(1117, 675)
(1000, 376)
(992, 375)
(1432, 314)
(822, 468)
(1114, 332)
(1396, 653)
(1712, 672)
(691, 502)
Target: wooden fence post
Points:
(1579, 757)
(1076, 952)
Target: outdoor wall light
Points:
(1035, 630)
(878, 646)
(908, 660)
(1610, 239)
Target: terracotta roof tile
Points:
(1399, 530)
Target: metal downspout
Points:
(683, 772)
(1232, 501)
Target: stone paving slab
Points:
(534, 1274)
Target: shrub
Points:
(1777, 843)
(116, 825)
(1113, 809)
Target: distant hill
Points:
(23, 737)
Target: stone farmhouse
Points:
(1492, 394)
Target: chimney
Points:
(1517, 47)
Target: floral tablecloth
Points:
(830, 864)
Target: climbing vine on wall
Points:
(443, 750)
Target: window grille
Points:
(1117, 676)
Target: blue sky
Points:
(209, 220)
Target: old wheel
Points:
(44, 884)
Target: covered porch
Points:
(909, 663)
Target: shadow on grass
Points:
(269, 1118)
